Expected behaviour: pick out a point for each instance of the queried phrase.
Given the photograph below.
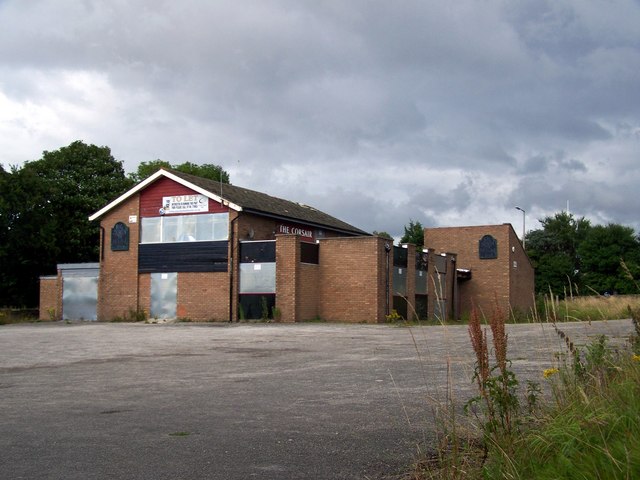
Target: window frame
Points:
(179, 224)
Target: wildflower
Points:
(636, 358)
(499, 337)
(479, 344)
(549, 371)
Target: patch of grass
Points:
(180, 434)
(593, 307)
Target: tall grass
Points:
(592, 431)
(588, 428)
(587, 308)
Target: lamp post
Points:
(523, 228)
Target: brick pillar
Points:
(384, 274)
(411, 282)
(433, 285)
(452, 284)
(118, 282)
(287, 271)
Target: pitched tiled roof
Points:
(263, 204)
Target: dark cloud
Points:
(378, 112)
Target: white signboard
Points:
(185, 204)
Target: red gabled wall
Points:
(151, 198)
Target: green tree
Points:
(553, 250)
(44, 215)
(383, 235)
(207, 170)
(414, 233)
(601, 254)
(146, 169)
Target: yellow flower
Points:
(550, 371)
(636, 358)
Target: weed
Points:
(132, 316)
(533, 395)
(497, 385)
(634, 338)
(316, 319)
(18, 315)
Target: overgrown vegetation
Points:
(569, 249)
(132, 315)
(589, 427)
(44, 213)
(593, 429)
(570, 308)
(9, 315)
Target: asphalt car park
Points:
(239, 401)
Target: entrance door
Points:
(164, 295)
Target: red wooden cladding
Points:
(151, 198)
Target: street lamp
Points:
(523, 229)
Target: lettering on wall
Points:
(185, 204)
(284, 229)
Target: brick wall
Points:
(251, 227)
(491, 279)
(297, 284)
(50, 298)
(308, 299)
(203, 296)
(522, 277)
(352, 279)
(118, 282)
(287, 276)
(144, 293)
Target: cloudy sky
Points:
(444, 112)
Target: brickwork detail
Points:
(491, 279)
(118, 282)
(50, 297)
(203, 296)
(353, 279)
(287, 273)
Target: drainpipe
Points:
(102, 234)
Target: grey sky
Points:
(448, 113)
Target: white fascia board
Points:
(153, 178)
(202, 191)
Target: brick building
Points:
(180, 246)
(492, 265)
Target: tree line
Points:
(572, 256)
(45, 206)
